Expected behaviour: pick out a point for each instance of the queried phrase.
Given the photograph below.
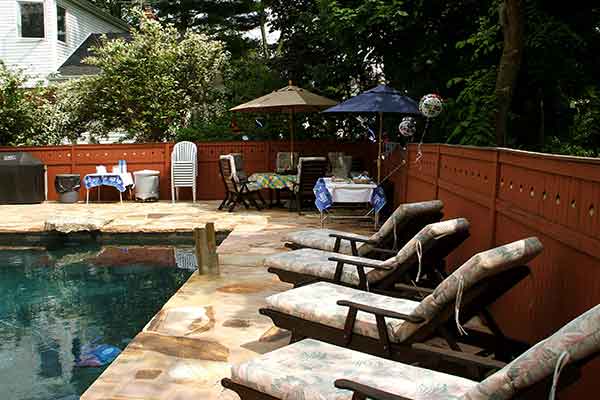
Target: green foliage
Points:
(16, 109)
(150, 86)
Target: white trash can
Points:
(147, 185)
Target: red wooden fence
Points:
(258, 156)
(508, 195)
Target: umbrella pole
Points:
(379, 150)
(292, 138)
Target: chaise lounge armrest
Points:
(459, 357)
(354, 239)
(380, 311)
(362, 392)
(363, 262)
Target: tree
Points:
(16, 111)
(152, 84)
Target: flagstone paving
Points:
(212, 321)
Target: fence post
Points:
(72, 158)
(437, 172)
(167, 168)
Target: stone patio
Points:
(212, 321)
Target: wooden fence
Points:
(258, 156)
(508, 195)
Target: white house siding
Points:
(42, 57)
(80, 23)
(35, 56)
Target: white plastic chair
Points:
(184, 168)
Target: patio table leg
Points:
(87, 196)
(120, 197)
(99, 193)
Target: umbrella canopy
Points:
(380, 99)
(290, 98)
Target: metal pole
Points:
(292, 137)
(379, 148)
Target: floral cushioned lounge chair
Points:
(313, 370)
(424, 254)
(388, 326)
(405, 221)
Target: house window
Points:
(31, 19)
(61, 23)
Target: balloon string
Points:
(420, 145)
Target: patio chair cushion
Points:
(307, 370)
(317, 303)
(316, 262)
(320, 239)
(580, 338)
(477, 268)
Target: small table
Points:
(120, 181)
(330, 192)
(275, 182)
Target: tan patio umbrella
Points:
(291, 99)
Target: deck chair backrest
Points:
(310, 169)
(576, 341)
(225, 163)
(404, 215)
(184, 152)
(438, 238)
(240, 171)
(475, 270)
(284, 163)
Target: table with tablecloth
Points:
(120, 181)
(330, 191)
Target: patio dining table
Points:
(120, 181)
(275, 182)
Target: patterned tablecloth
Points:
(273, 180)
(116, 180)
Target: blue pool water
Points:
(55, 305)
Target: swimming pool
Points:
(59, 306)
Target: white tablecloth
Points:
(343, 192)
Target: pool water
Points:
(54, 304)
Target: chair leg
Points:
(261, 198)
(172, 193)
(299, 203)
(194, 193)
(224, 202)
(234, 201)
(253, 201)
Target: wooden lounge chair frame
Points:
(569, 376)
(382, 248)
(475, 300)
(433, 265)
(236, 192)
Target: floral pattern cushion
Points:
(320, 239)
(316, 263)
(318, 303)
(580, 338)
(405, 213)
(478, 267)
(307, 370)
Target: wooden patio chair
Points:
(313, 370)
(404, 223)
(237, 187)
(310, 169)
(421, 257)
(388, 326)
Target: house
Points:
(38, 36)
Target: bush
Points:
(17, 111)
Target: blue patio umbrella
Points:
(380, 99)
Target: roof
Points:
(99, 13)
(74, 65)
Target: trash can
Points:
(67, 186)
(146, 185)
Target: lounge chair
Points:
(423, 255)
(313, 370)
(400, 227)
(388, 326)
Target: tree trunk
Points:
(513, 22)
(263, 30)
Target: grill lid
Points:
(18, 159)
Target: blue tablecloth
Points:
(324, 199)
(114, 180)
